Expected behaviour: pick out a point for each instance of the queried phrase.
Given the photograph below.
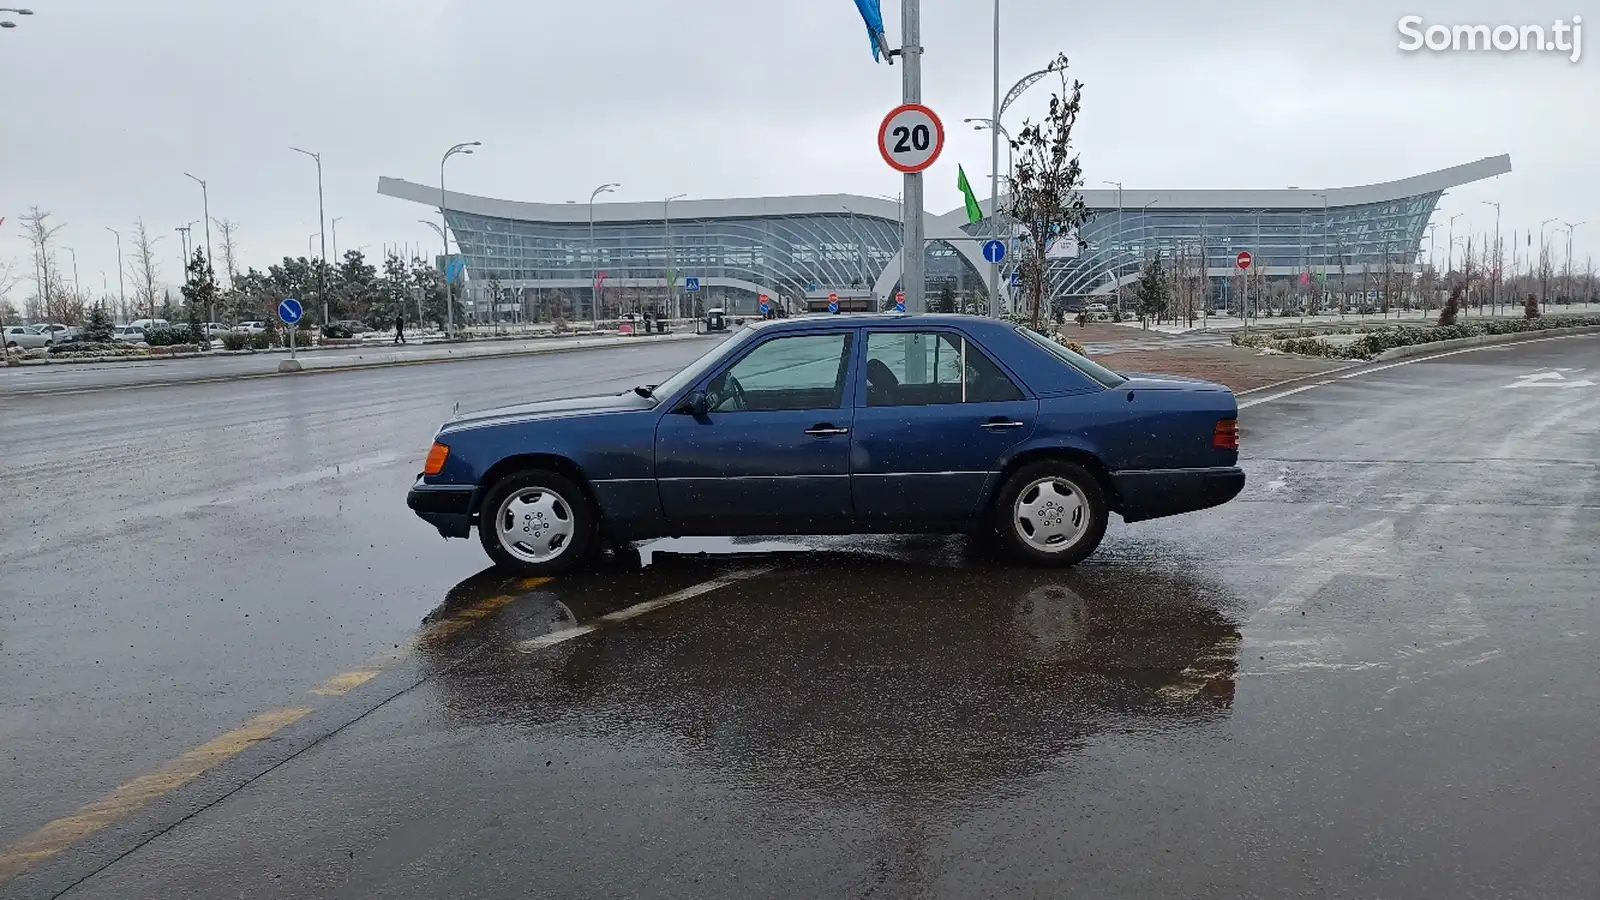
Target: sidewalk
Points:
(473, 350)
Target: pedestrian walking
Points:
(400, 328)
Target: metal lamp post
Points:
(1571, 226)
(205, 199)
(1544, 281)
(335, 225)
(594, 255)
(1118, 275)
(322, 224)
(122, 296)
(666, 222)
(20, 12)
(449, 306)
(1322, 298)
(996, 129)
(1494, 300)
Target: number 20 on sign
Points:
(911, 138)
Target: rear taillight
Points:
(1227, 435)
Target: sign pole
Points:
(912, 253)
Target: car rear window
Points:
(1093, 370)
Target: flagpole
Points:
(994, 168)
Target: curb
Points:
(1487, 340)
(384, 360)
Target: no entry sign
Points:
(1244, 259)
(911, 138)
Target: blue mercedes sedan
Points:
(896, 424)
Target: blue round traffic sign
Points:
(833, 307)
(899, 306)
(290, 312)
(994, 251)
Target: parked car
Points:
(29, 337)
(71, 335)
(829, 425)
(250, 327)
(214, 330)
(353, 326)
(150, 324)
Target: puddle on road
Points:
(849, 673)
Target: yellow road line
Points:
(63, 833)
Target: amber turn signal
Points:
(436, 460)
(1227, 435)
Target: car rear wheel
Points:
(1051, 513)
(536, 523)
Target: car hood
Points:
(549, 409)
(1151, 381)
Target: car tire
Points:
(550, 507)
(1051, 513)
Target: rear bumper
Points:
(1158, 493)
(447, 507)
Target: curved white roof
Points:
(822, 204)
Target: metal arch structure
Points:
(781, 245)
(1021, 87)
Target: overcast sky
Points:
(106, 103)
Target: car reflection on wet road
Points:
(1373, 675)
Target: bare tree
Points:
(9, 278)
(39, 232)
(144, 269)
(230, 249)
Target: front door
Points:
(934, 417)
(773, 454)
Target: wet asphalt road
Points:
(1375, 674)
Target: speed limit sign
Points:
(911, 138)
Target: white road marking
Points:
(638, 609)
(1279, 396)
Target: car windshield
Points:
(692, 372)
(1102, 375)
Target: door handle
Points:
(826, 430)
(1002, 425)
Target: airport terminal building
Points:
(794, 248)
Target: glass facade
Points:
(790, 255)
(793, 255)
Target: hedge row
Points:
(1375, 341)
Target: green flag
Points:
(974, 211)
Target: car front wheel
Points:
(536, 523)
(1051, 513)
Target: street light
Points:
(335, 225)
(666, 221)
(1544, 280)
(1450, 249)
(1494, 299)
(122, 296)
(20, 12)
(594, 260)
(322, 223)
(449, 305)
(77, 287)
(1570, 227)
(997, 129)
(205, 198)
(1322, 296)
(1118, 282)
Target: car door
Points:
(934, 415)
(771, 455)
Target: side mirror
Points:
(696, 404)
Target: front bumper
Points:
(1158, 493)
(447, 507)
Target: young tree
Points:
(200, 292)
(100, 327)
(945, 302)
(1452, 307)
(1152, 291)
(1530, 307)
(354, 285)
(1045, 204)
(143, 269)
(230, 250)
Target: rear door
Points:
(934, 415)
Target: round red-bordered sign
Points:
(1244, 259)
(911, 138)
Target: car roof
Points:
(859, 320)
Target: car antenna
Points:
(457, 410)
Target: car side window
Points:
(787, 373)
(925, 369)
